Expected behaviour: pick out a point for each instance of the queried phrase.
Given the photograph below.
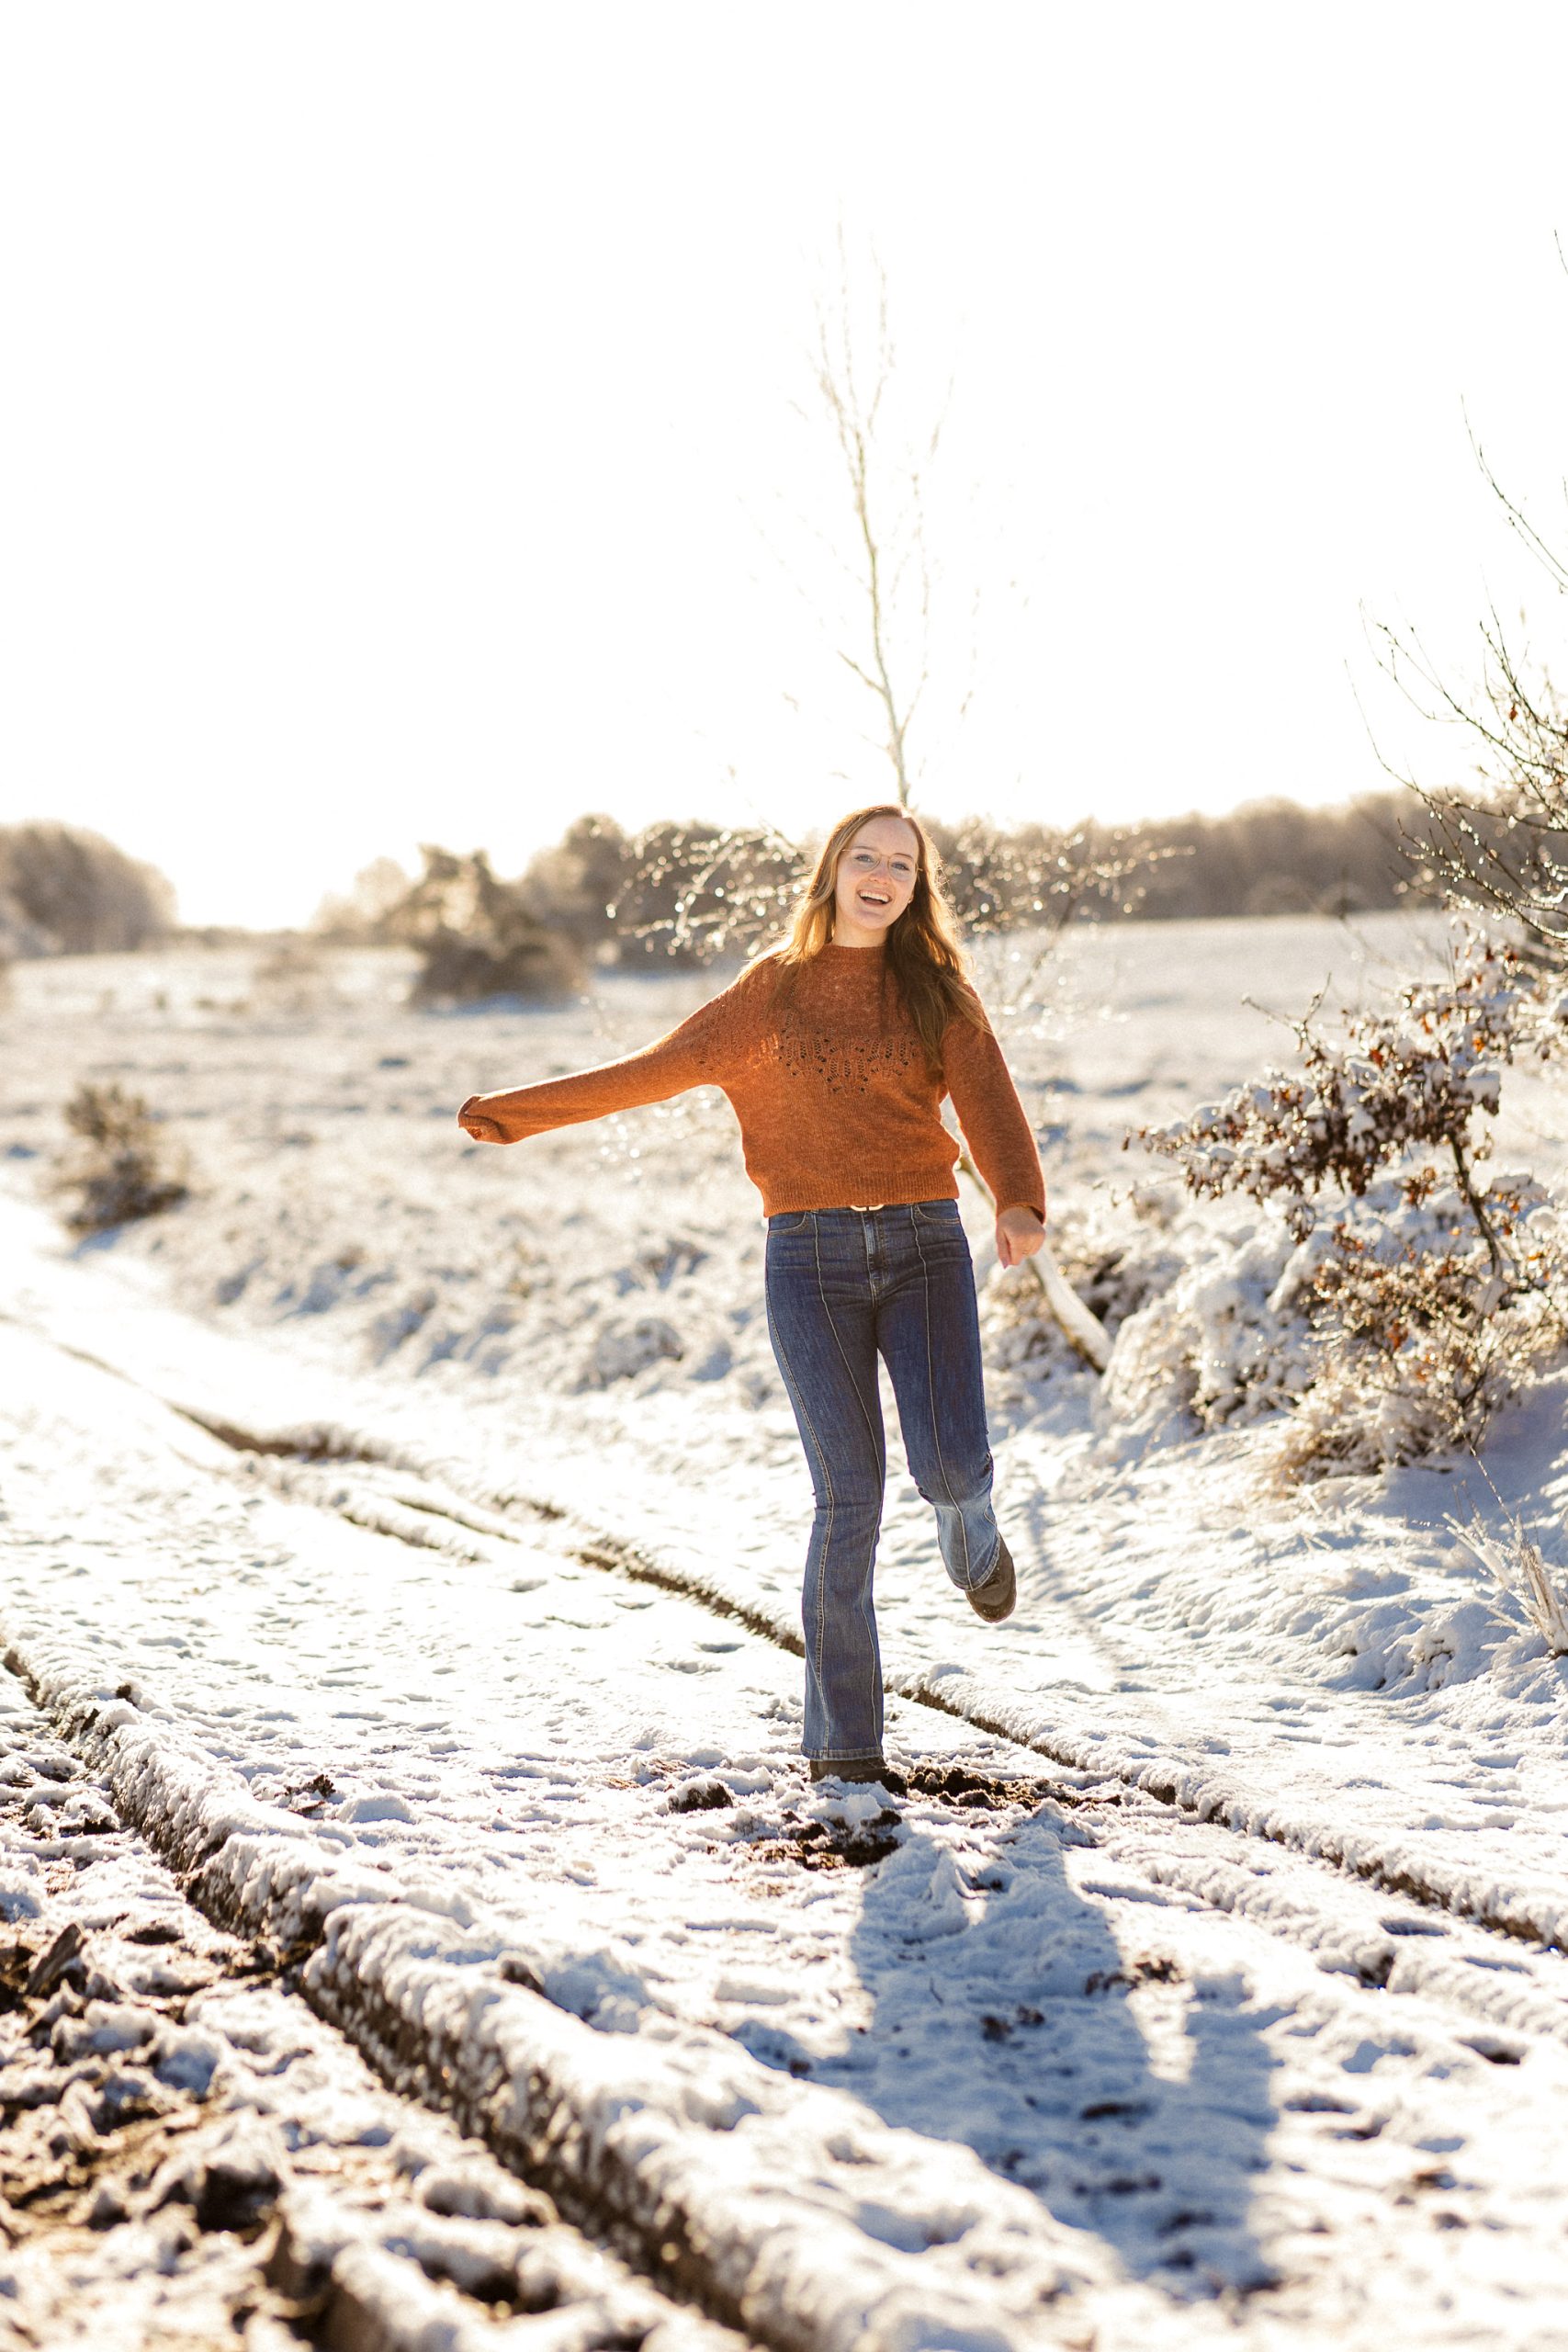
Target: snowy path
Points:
(1177, 1629)
(1187, 2064)
(190, 2156)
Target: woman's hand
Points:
(482, 1128)
(1019, 1233)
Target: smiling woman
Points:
(836, 1049)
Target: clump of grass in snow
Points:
(1514, 1557)
(121, 1166)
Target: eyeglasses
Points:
(900, 867)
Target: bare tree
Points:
(1501, 844)
(889, 565)
(697, 890)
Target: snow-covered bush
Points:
(1395, 1084)
(1427, 1291)
(121, 1166)
(477, 936)
(1419, 1341)
(1205, 1319)
(1225, 1342)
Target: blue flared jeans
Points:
(844, 1286)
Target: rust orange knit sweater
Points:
(836, 1103)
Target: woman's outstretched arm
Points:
(996, 1130)
(699, 1053)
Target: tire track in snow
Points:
(1503, 1998)
(419, 1989)
(188, 2151)
(1527, 1914)
(390, 1490)
(786, 2210)
(781, 2208)
(387, 1504)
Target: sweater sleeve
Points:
(701, 1052)
(1000, 1140)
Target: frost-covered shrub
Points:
(694, 892)
(1419, 1341)
(1431, 1294)
(121, 1166)
(1397, 1083)
(691, 893)
(477, 936)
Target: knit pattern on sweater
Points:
(829, 1083)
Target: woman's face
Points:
(877, 871)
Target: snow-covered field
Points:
(405, 1538)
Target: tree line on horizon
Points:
(64, 892)
(685, 893)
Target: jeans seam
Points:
(878, 1451)
(832, 1326)
(930, 1403)
(797, 1397)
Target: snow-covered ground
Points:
(411, 1533)
(191, 2156)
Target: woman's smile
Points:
(875, 881)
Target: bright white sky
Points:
(398, 439)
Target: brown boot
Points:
(859, 1768)
(994, 1600)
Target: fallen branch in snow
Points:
(1084, 1330)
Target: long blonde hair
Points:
(924, 954)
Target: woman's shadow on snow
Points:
(1003, 2018)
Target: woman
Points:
(835, 1051)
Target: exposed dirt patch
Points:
(960, 1784)
(832, 1845)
